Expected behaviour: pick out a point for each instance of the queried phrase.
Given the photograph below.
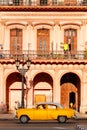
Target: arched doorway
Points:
(70, 90)
(43, 87)
(13, 89)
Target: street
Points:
(40, 125)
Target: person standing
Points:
(66, 49)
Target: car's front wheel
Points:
(24, 119)
(62, 119)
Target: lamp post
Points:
(22, 70)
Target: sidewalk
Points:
(7, 116)
(81, 115)
(12, 116)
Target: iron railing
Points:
(42, 3)
(32, 54)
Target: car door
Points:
(52, 112)
(40, 114)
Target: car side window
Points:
(52, 106)
(40, 107)
(45, 106)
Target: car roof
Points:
(50, 103)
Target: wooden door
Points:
(66, 89)
(43, 40)
(70, 37)
(16, 41)
(40, 98)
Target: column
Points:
(29, 88)
(84, 31)
(32, 37)
(83, 106)
(56, 37)
(2, 86)
(2, 32)
(56, 87)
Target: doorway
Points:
(43, 40)
(70, 37)
(70, 90)
(72, 99)
(16, 41)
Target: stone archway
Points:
(43, 87)
(13, 89)
(70, 90)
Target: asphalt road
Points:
(40, 125)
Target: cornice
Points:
(43, 8)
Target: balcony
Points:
(43, 5)
(43, 55)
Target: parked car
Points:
(45, 111)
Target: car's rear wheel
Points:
(62, 119)
(24, 119)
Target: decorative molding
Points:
(27, 15)
(16, 25)
(43, 8)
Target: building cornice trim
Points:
(43, 8)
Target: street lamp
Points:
(22, 70)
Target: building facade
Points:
(53, 35)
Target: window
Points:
(43, 2)
(3, 2)
(54, 2)
(17, 2)
(84, 2)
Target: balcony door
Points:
(70, 37)
(16, 41)
(43, 40)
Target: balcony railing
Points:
(42, 3)
(5, 54)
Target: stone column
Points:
(83, 106)
(29, 89)
(2, 33)
(56, 37)
(56, 87)
(83, 30)
(2, 96)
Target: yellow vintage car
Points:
(45, 111)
